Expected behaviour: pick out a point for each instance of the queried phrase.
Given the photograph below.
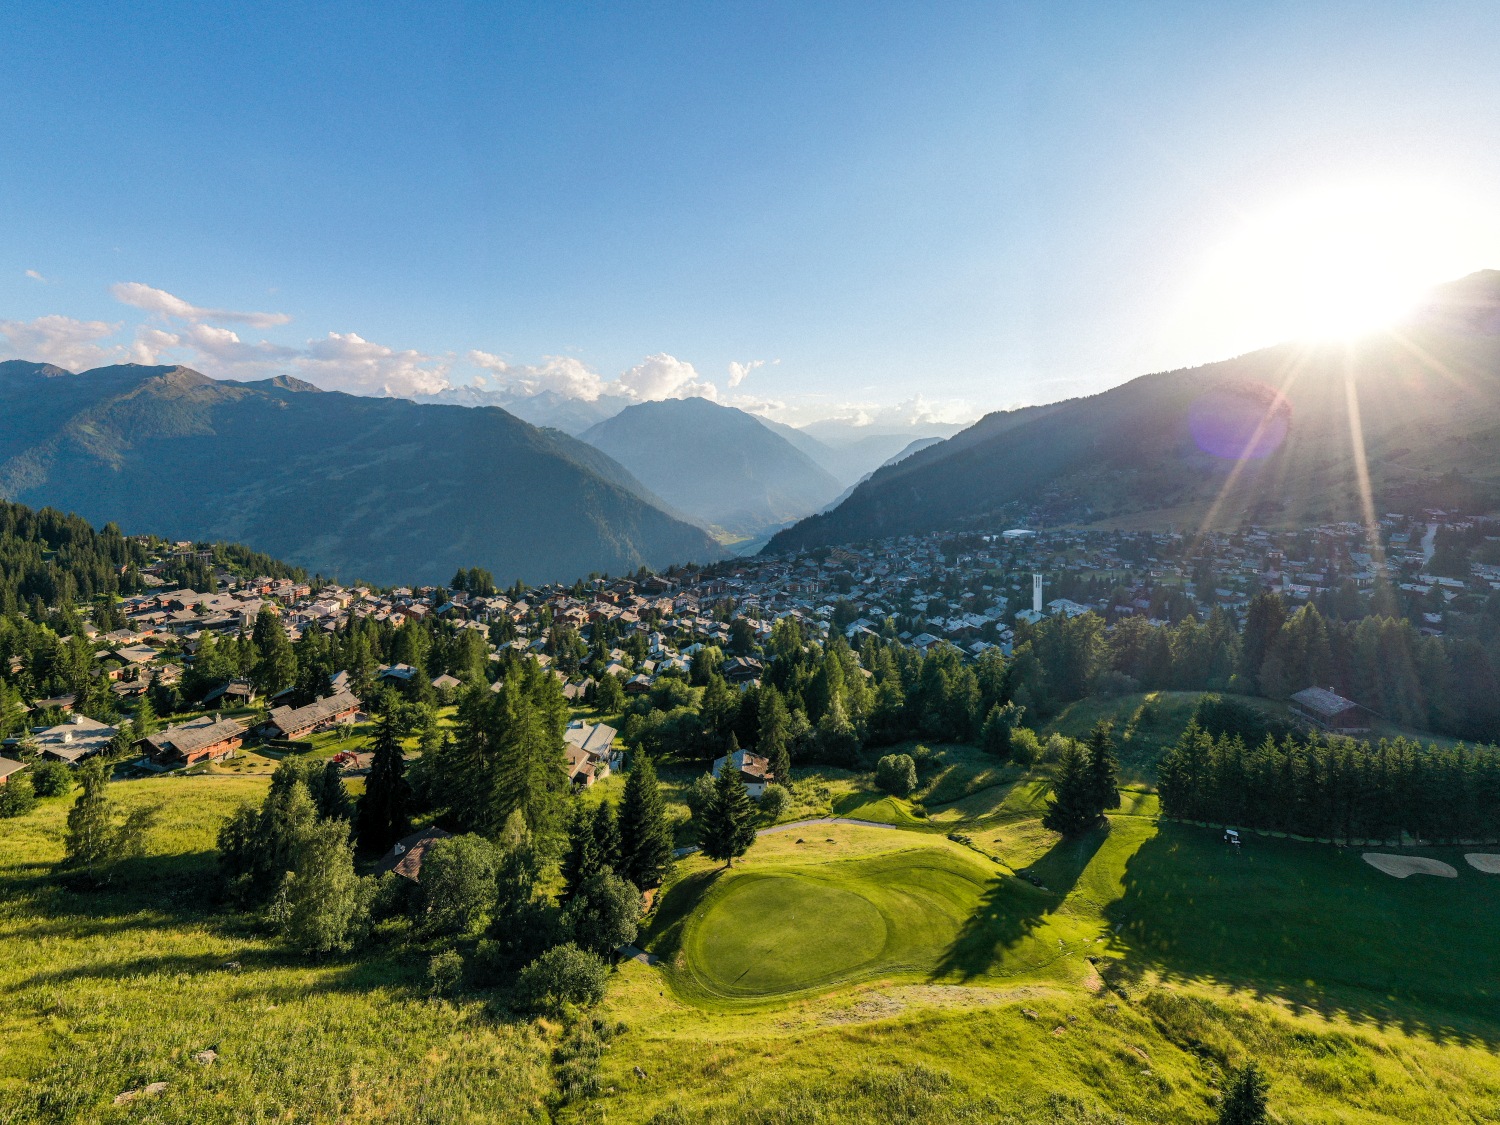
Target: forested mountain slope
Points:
(1417, 408)
(379, 489)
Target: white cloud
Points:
(166, 304)
(150, 343)
(35, 276)
(738, 371)
(74, 344)
(663, 376)
(563, 375)
(348, 362)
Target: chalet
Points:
(755, 771)
(446, 682)
(79, 738)
(406, 855)
(320, 714)
(202, 740)
(1329, 711)
(743, 669)
(236, 693)
(9, 766)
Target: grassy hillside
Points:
(837, 973)
(361, 488)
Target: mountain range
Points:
(1289, 435)
(720, 465)
(383, 490)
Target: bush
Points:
(605, 914)
(51, 779)
(774, 801)
(17, 797)
(564, 975)
(697, 795)
(896, 774)
(1025, 748)
(444, 972)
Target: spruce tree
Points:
(1073, 809)
(275, 666)
(332, 798)
(606, 836)
(1104, 768)
(1245, 1100)
(645, 832)
(581, 861)
(383, 810)
(775, 735)
(728, 827)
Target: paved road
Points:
(680, 852)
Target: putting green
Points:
(931, 911)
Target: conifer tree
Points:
(606, 836)
(582, 860)
(93, 839)
(322, 905)
(1245, 1100)
(728, 827)
(383, 810)
(1104, 767)
(775, 735)
(1073, 809)
(645, 832)
(275, 666)
(332, 801)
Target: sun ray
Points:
(1290, 371)
(1361, 462)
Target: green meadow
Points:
(957, 963)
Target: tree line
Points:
(1333, 788)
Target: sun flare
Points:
(1335, 263)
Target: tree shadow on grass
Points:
(1012, 909)
(663, 938)
(1315, 927)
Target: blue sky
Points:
(981, 205)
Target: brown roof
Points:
(288, 719)
(406, 855)
(194, 736)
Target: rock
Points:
(1072, 1019)
(641, 1074)
(1030, 1013)
(130, 1095)
(203, 1058)
(800, 840)
(232, 966)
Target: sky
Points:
(854, 210)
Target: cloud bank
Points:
(209, 339)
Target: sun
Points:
(1335, 263)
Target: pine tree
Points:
(1073, 809)
(582, 860)
(645, 831)
(383, 810)
(275, 666)
(1245, 1100)
(775, 735)
(606, 836)
(728, 827)
(145, 722)
(1104, 767)
(333, 802)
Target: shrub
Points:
(896, 774)
(444, 972)
(51, 779)
(605, 913)
(562, 976)
(1025, 748)
(774, 801)
(697, 795)
(17, 797)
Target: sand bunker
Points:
(1488, 862)
(1403, 865)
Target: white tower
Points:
(1036, 594)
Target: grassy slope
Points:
(1368, 999)
(105, 992)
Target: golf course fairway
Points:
(928, 911)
